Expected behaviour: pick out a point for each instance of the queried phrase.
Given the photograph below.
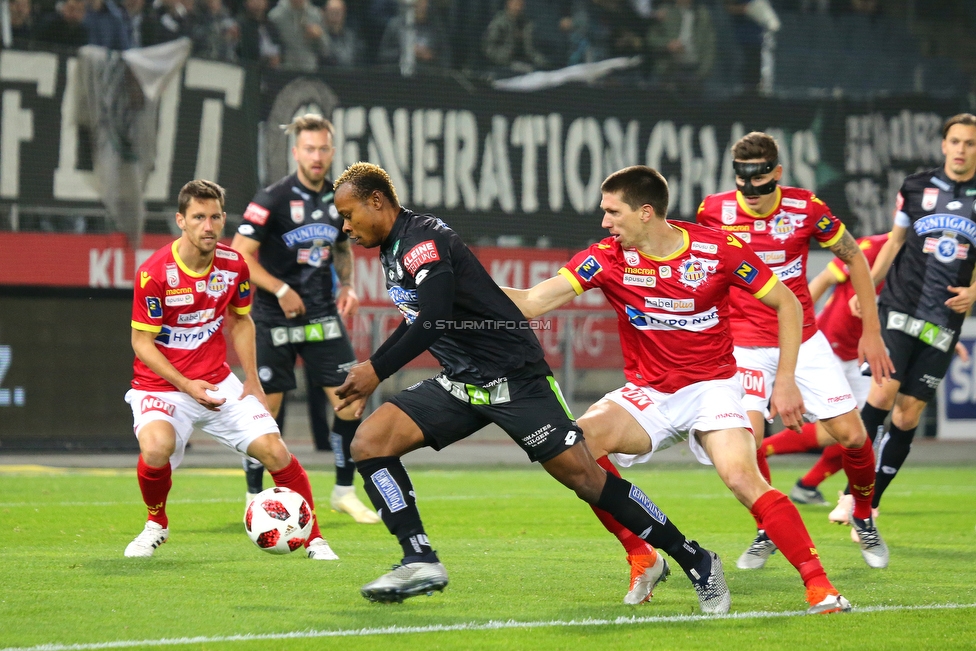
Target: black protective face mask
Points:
(748, 171)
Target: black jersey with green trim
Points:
(939, 216)
(297, 229)
(487, 336)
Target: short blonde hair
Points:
(308, 122)
(366, 178)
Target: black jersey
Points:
(940, 247)
(297, 228)
(487, 336)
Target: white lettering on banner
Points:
(16, 123)
(213, 75)
(107, 268)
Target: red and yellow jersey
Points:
(781, 239)
(843, 329)
(187, 310)
(672, 312)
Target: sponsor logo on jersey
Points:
(389, 489)
(640, 281)
(405, 301)
(746, 272)
(946, 248)
(759, 225)
(297, 210)
(954, 205)
(704, 247)
(729, 210)
(631, 257)
(745, 237)
(772, 257)
(256, 214)
(333, 211)
(420, 255)
(794, 203)
(200, 316)
(639, 271)
(244, 289)
(180, 299)
(835, 399)
(930, 197)
(310, 233)
(317, 214)
(245, 229)
(315, 256)
(420, 276)
(179, 290)
(936, 181)
(942, 222)
(694, 271)
(188, 338)
(645, 503)
(636, 397)
(753, 382)
(144, 278)
(824, 224)
(219, 281)
(737, 227)
(201, 285)
(670, 304)
(665, 271)
(172, 274)
(152, 403)
(154, 307)
(784, 224)
(226, 255)
(661, 321)
(793, 269)
(588, 268)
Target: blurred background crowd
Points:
(716, 47)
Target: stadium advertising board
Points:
(957, 393)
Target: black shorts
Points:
(531, 410)
(919, 366)
(324, 348)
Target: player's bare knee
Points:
(598, 437)
(847, 429)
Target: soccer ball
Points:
(278, 520)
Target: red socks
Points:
(790, 442)
(763, 464)
(631, 542)
(293, 476)
(155, 484)
(859, 467)
(784, 527)
(829, 463)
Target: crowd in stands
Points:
(679, 40)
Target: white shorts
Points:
(236, 425)
(860, 384)
(819, 376)
(670, 418)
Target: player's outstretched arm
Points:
(786, 399)
(144, 346)
(896, 239)
(871, 348)
(241, 333)
(544, 297)
(291, 303)
(819, 285)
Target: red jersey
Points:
(781, 239)
(843, 329)
(672, 312)
(187, 310)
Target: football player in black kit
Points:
(927, 265)
(493, 371)
(292, 239)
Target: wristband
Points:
(282, 290)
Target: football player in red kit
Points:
(185, 294)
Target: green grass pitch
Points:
(521, 552)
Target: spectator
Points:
(682, 42)
(620, 25)
(749, 36)
(215, 32)
(106, 25)
(66, 26)
(302, 34)
(135, 13)
(21, 24)
(260, 40)
(508, 41)
(345, 46)
(378, 15)
(168, 20)
(431, 46)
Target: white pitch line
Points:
(469, 626)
